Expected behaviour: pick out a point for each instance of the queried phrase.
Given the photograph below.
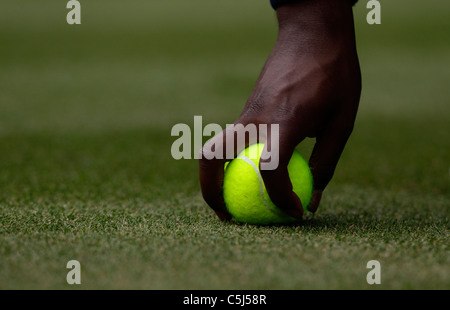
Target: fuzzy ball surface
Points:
(245, 194)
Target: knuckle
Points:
(255, 104)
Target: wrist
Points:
(317, 22)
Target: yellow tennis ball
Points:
(244, 192)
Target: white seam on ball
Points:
(261, 183)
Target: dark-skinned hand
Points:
(310, 85)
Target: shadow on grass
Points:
(362, 224)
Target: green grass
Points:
(86, 171)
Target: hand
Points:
(310, 85)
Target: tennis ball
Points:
(244, 192)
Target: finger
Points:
(211, 163)
(221, 148)
(325, 155)
(211, 179)
(315, 201)
(277, 181)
